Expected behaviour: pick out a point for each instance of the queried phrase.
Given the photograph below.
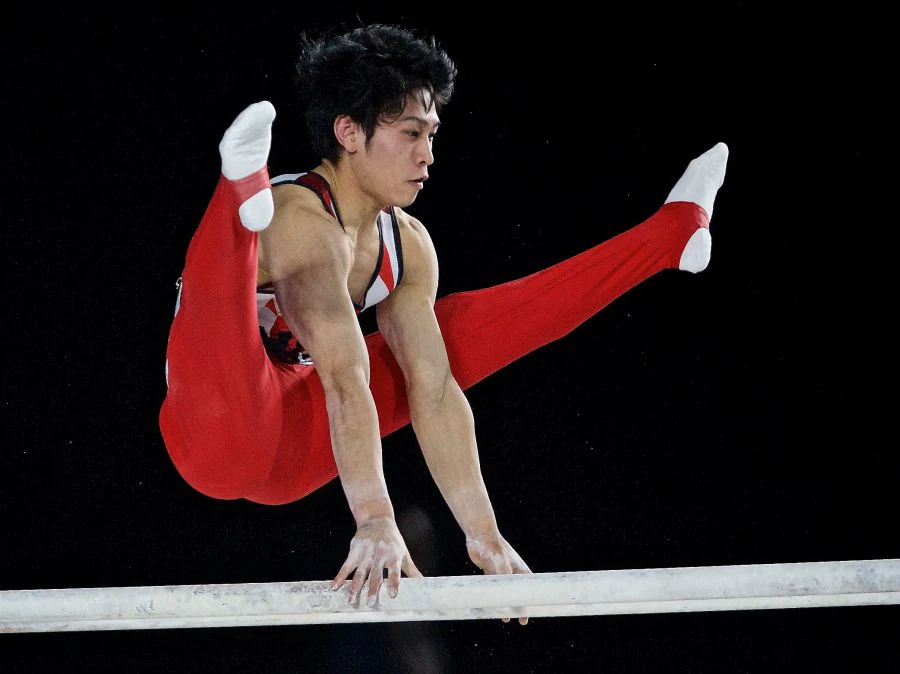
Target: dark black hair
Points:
(368, 74)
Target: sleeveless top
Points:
(277, 337)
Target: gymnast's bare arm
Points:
(309, 260)
(440, 413)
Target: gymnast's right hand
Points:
(377, 547)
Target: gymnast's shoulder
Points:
(296, 206)
(418, 248)
(301, 232)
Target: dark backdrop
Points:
(742, 415)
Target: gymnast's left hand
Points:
(494, 555)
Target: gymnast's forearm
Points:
(445, 428)
(356, 444)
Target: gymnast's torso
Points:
(376, 271)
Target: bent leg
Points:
(222, 415)
(222, 412)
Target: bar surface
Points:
(577, 593)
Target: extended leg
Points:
(487, 329)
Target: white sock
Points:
(699, 184)
(245, 150)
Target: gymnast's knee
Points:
(221, 456)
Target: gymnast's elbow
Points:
(428, 386)
(345, 380)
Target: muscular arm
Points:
(440, 413)
(309, 268)
(310, 278)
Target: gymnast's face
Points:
(395, 163)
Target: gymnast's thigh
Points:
(303, 459)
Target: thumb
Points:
(410, 569)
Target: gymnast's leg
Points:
(487, 329)
(221, 417)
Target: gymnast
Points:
(272, 388)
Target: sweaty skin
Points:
(318, 270)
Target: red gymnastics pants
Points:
(237, 425)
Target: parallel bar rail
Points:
(578, 593)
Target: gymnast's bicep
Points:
(309, 261)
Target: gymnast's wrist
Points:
(481, 529)
(368, 511)
(473, 512)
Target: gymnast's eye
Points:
(416, 134)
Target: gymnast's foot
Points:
(699, 184)
(245, 150)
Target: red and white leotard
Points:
(280, 343)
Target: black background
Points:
(743, 415)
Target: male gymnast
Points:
(273, 390)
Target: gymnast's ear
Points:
(349, 133)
